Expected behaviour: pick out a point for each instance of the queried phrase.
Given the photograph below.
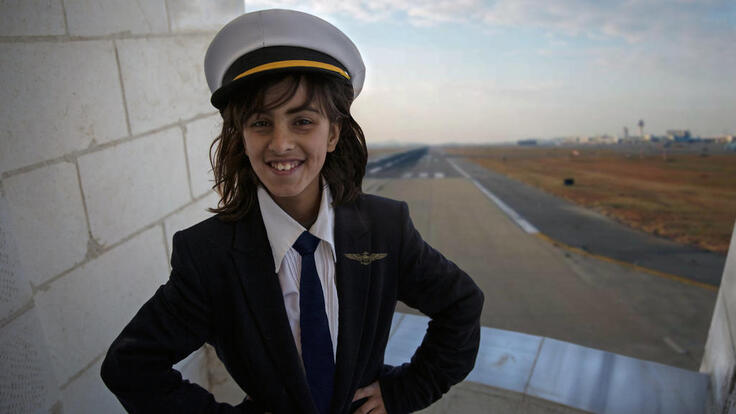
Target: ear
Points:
(333, 137)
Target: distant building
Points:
(602, 139)
(527, 142)
(680, 135)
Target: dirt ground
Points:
(687, 197)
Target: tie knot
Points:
(306, 243)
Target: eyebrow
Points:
(300, 108)
(305, 107)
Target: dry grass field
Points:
(687, 197)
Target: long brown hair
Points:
(344, 168)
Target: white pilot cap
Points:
(277, 40)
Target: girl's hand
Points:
(374, 404)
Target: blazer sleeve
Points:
(438, 288)
(171, 325)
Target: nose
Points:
(281, 140)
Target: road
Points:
(534, 286)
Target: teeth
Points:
(283, 166)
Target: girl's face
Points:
(287, 146)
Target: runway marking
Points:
(375, 170)
(516, 217)
(439, 175)
(632, 266)
(423, 175)
(406, 175)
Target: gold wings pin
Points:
(365, 258)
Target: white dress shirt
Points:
(282, 231)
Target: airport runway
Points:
(537, 287)
(568, 223)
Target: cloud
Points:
(630, 20)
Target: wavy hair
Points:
(344, 168)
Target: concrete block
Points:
(133, 184)
(471, 398)
(31, 18)
(57, 98)
(14, 288)
(199, 136)
(727, 291)
(538, 406)
(189, 216)
(27, 382)
(164, 80)
(47, 220)
(505, 359)
(194, 368)
(202, 15)
(88, 394)
(719, 360)
(83, 312)
(602, 382)
(102, 17)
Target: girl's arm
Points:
(171, 325)
(438, 288)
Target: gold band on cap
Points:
(293, 64)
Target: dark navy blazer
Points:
(223, 291)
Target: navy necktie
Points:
(315, 330)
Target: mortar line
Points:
(166, 244)
(66, 22)
(99, 147)
(104, 249)
(168, 17)
(186, 159)
(122, 87)
(81, 372)
(112, 36)
(534, 366)
(16, 313)
(84, 200)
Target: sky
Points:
(471, 71)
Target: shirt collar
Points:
(283, 230)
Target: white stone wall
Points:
(106, 127)
(719, 359)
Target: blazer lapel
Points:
(254, 261)
(353, 283)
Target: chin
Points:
(284, 191)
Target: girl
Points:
(294, 281)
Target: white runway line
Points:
(406, 175)
(375, 170)
(439, 175)
(423, 175)
(518, 219)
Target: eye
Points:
(303, 122)
(259, 123)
